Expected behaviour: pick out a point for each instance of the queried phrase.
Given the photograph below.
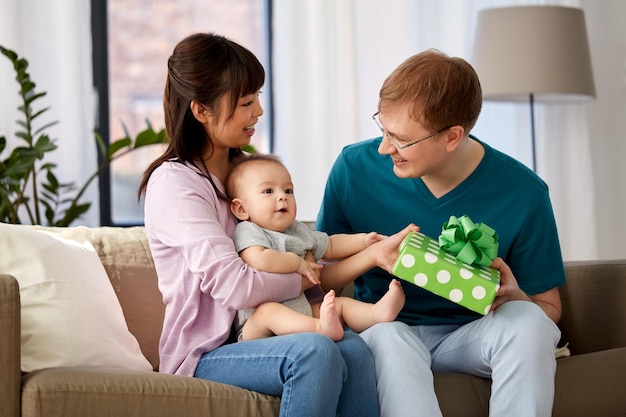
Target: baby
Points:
(270, 239)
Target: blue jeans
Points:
(514, 346)
(313, 375)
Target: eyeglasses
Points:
(394, 141)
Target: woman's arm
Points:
(193, 244)
(270, 260)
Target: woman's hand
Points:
(310, 271)
(311, 277)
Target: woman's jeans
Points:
(315, 376)
(514, 346)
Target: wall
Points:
(607, 38)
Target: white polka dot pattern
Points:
(423, 263)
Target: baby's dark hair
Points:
(242, 161)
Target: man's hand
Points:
(386, 250)
(509, 289)
(549, 301)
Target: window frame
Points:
(100, 58)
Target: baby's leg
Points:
(329, 322)
(272, 319)
(359, 315)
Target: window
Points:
(132, 42)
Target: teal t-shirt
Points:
(363, 194)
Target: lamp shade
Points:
(538, 50)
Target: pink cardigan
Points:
(201, 277)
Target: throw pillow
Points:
(70, 314)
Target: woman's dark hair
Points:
(202, 68)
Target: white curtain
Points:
(55, 38)
(330, 59)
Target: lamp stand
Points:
(531, 97)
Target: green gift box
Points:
(422, 262)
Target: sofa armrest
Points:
(10, 383)
(594, 305)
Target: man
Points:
(425, 168)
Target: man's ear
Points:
(454, 136)
(236, 206)
(199, 111)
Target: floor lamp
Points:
(534, 54)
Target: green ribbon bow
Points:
(470, 242)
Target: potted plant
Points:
(30, 192)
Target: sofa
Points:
(589, 380)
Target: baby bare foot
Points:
(329, 323)
(388, 307)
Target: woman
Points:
(211, 108)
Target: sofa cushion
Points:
(591, 384)
(593, 305)
(585, 385)
(79, 392)
(70, 315)
(125, 255)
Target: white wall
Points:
(54, 37)
(586, 186)
(607, 38)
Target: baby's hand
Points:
(307, 269)
(373, 237)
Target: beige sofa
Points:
(588, 383)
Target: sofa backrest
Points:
(593, 298)
(126, 257)
(594, 305)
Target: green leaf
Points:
(101, 145)
(24, 135)
(125, 129)
(72, 213)
(52, 179)
(27, 87)
(44, 145)
(149, 137)
(34, 97)
(44, 127)
(249, 148)
(8, 53)
(20, 65)
(48, 166)
(48, 195)
(117, 145)
(49, 214)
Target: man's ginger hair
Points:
(440, 90)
